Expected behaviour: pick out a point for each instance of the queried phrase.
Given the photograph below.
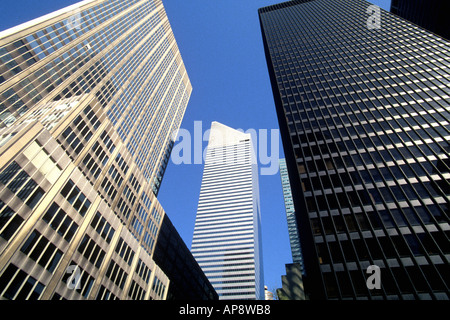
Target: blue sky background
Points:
(221, 46)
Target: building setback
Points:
(89, 97)
(227, 235)
(363, 115)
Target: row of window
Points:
(395, 281)
(382, 248)
(56, 70)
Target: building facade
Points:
(429, 14)
(227, 234)
(89, 96)
(292, 283)
(363, 115)
(290, 216)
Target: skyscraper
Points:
(227, 234)
(89, 97)
(290, 215)
(363, 113)
(429, 14)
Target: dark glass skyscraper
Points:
(363, 114)
(429, 14)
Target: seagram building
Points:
(364, 118)
(89, 97)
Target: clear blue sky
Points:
(220, 42)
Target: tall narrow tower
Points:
(227, 235)
(290, 216)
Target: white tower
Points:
(227, 234)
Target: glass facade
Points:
(290, 216)
(227, 234)
(364, 116)
(89, 97)
(119, 55)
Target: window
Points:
(322, 252)
(21, 184)
(61, 222)
(158, 287)
(75, 197)
(143, 271)
(339, 223)
(351, 223)
(362, 221)
(102, 227)
(116, 274)
(91, 251)
(136, 292)
(39, 249)
(361, 249)
(330, 285)
(9, 221)
(336, 252)
(15, 284)
(124, 251)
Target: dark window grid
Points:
(109, 189)
(420, 281)
(346, 287)
(73, 195)
(72, 138)
(91, 251)
(41, 250)
(92, 117)
(129, 195)
(426, 216)
(16, 284)
(136, 292)
(10, 221)
(116, 274)
(115, 175)
(404, 280)
(420, 170)
(134, 183)
(22, 184)
(123, 209)
(100, 152)
(124, 251)
(93, 168)
(122, 164)
(84, 83)
(136, 227)
(378, 196)
(107, 141)
(61, 222)
(434, 277)
(143, 271)
(102, 227)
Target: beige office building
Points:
(89, 96)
